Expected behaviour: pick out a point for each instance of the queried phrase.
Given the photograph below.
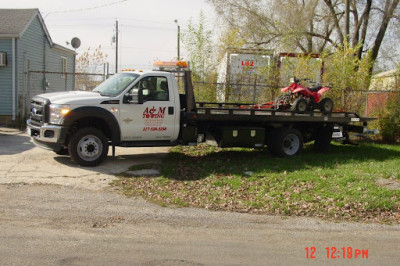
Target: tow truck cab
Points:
(132, 108)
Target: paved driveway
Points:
(22, 162)
(53, 212)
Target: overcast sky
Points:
(147, 31)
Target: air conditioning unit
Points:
(3, 59)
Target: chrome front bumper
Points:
(46, 133)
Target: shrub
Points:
(389, 119)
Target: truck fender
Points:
(96, 112)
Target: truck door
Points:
(156, 118)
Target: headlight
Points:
(57, 112)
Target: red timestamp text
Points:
(338, 253)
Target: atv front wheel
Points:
(300, 105)
(326, 105)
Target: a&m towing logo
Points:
(151, 113)
(154, 118)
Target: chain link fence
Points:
(39, 82)
(364, 102)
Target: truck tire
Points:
(323, 139)
(88, 146)
(326, 105)
(285, 142)
(300, 105)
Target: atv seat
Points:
(315, 88)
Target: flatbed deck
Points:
(225, 113)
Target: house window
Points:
(63, 66)
(3, 59)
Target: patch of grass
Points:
(338, 185)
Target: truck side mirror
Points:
(136, 96)
(127, 98)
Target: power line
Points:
(73, 25)
(107, 47)
(87, 8)
(147, 27)
(147, 21)
(102, 25)
(123, 19)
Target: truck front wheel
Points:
(285, 142)
(88, 146)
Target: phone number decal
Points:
(154, 129)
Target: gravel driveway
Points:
(53, 212)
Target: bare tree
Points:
(90, 62)
(311, 25)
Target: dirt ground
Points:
(53, 212)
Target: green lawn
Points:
(339, 185)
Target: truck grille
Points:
(39, 110)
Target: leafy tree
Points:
(348, 76)
(90, 62)
(197, 40)
(230, 41)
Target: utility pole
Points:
(116, 46)
(179, 42)
(179, 37)
(347, 21)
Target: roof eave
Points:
(8, 35)
(62, 48)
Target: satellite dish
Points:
(75, 42)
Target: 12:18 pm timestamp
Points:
(338, 253)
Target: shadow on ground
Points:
(181, 166)
(117, 164)
(14, 143)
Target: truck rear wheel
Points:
(88, 146)
(285, 142)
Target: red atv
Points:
(302, 99)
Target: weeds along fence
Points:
(235, 92)
(361, 101)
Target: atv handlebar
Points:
(297, 80)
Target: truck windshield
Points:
(116, 84)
